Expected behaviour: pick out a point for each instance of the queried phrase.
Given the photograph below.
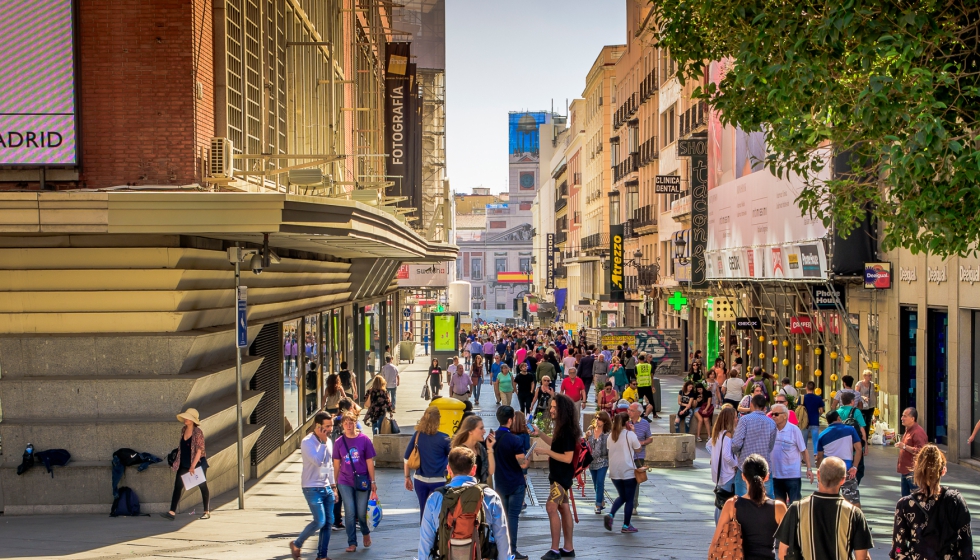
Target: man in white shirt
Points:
(790, 391)
(786, 455)
(390, 372)
(319, 484)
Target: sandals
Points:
(351, 548)
(295, 550)
(367, 541)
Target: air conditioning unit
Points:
(306, 177)
(221, 158)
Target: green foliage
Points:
(895, 85)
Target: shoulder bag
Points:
(729, 543)
(721, 495)
(362, 482)
(639, 473)
(414, 459)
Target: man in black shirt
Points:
(585, 373)
(561, 466)
(814, 526)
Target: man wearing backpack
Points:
(461, 518)
(850, 415)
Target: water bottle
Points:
(30, 449)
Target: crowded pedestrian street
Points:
(674, 517)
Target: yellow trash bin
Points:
(450, 414)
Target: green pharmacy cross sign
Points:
(677, 300)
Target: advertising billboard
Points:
(402, 133)
(617, 280)
(444, 332)
(878, 276)
(37, 73)
(429, 275)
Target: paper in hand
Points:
(193, 479)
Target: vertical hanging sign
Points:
(550, 252)
(617, 280)
(399, 120)
(241, 321)
(696, 148)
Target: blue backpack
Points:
(127, 504)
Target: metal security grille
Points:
(268, 378)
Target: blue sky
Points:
(510, 55)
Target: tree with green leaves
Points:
(892, 86)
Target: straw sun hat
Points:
(190, 414)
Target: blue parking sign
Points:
(241, 322)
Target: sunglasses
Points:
(778, 413)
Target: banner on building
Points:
(401, 120)
(878, 276)
(429, 275)
(549, 283)
(697, 149)
(792, 261)
(617, 277)
(828, 296)
(800, 325)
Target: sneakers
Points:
(607, 522)
(339, 527)
(551, 555)
(519, 556)
(628, 529)
(207, 515)
(566, 553)
(167, 515)
(598, 509)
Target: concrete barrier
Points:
(670, 450)
(705, 434)
(390, 449)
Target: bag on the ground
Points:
(127, 503)
(53, 458)
(393, 425)
(802, 418)
(463, 533)
(374, 513)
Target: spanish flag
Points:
(514, 277)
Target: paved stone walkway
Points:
(675, 515)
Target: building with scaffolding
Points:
(210, 130)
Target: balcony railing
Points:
(592, 244)
(626, 110)
(645, 216)
(693, 119)
(561, 272)
(649, 86)
(561, 203)
(629, 165)
(576, 178)
(561, 237)
(629, 229)
(647, 275)
(649, 151)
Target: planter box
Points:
(694, 425)
(670, 450)
(390, 449)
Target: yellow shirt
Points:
(630, 394)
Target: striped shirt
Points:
(824, 527)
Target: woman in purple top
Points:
(353, 460)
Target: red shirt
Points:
(573, 387)
(915, 438)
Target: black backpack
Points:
(850, 421)
(126, 505)
(53, 458)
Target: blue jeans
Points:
(513, 502)
(599, 482)
(117, 472)
(741, 488)
(477, 389)
(812, 432)
(423, 490)
(626, 489)
(391, 393)
(908, 485)
(355, 503)
(730, 486)
(320, 501)
(687, 422)
(787, 489)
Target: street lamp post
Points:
(259, 260)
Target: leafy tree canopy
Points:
(894, 84)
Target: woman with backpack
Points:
(623, 445)
(353, 464)
(190, 456)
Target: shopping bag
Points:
(374, 513)
(426, 395)
(193, 479)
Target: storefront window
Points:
(311, 366)
(290, 375)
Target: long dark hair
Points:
(619, 424)
(755, 470)
(566, 422)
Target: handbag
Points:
(729, 543)
(385, 426)
(362, 482)
(707, 409)
(414, 458)
(640, 473)
(426, 395)
(721, 495)
(393, 425)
